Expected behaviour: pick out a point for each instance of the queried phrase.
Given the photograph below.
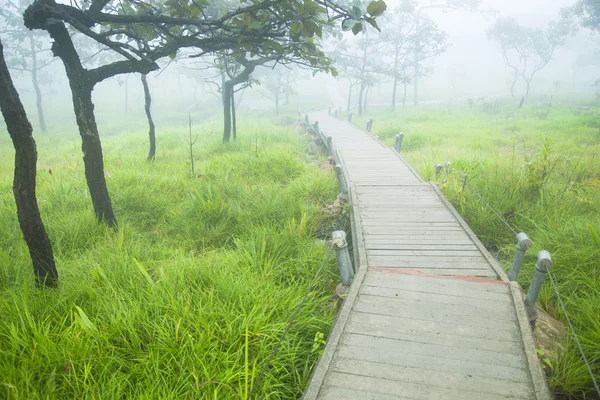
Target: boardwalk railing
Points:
(430, 313)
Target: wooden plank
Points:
(400, 244)
(442, 286)
(410, 390)
(422, 304)
(480, 304)
(440, 351)
(329, 392)
(435, 254)
(422, 246)
(356, 325)
(381, 257)
(482, 324)
(449, 380)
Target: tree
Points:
(255, 29)
(588, 13)
(277, 86)
(27, 49)
(527, 50)
(422, 46)
(28, 213)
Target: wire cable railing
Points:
(555, 288)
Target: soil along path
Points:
(430, 314)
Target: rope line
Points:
(558, 296)
(492, 208)
(572, 328)
(289, 325)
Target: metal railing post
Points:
(438, 169)
(523, 244)
(338, 241)
(350, 117)
(341, 180)
(448, 163)
(329, 145)
(306, 121)
(369, 125)
(335, 113)
(316, 128)
(399, 139)
(544, 263)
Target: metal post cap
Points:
(401, 135)
(523, 242)
(329, 138)
(338, 169)
(448, 163)
(544, 261)
(338, 239)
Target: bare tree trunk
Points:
(36, 86)
(126, 108)
(404, 95)
(28, 213)
(233, 115)
(366, 99)
(277, 103)
(81, 90)
(349, 97)
(151, 127)
(514, 82)
(360, 99)
(227, 90)
(394, 94)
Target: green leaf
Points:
(357, 28)
(373, 23)
(296, 27)
(357, 12)
(594, 234)
(144, 272)
(348, 24)
(84, 322)
(376, 8)
(254, 25)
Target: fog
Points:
(471, 67)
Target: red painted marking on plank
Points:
(467, 278)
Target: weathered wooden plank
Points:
(329, 392)
(479, 304)
(356, 325)
(433, 252)
(423, 305)
(410, 390)
(442, 286)
(432, 258)
(448, 380)
(422, 246)
(475, 324)
(440, 351)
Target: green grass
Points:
(544, 176)
(189, 297)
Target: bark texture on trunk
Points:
(28, 213)
(36, 86)
(233, 115)
(360, 99)
(151, 127)
(227, 89)
(81, 90)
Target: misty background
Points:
(472, 67)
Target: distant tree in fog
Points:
(28, 213)
(527, 50)
(276, 83)
(29, 50)
(243, 29)
(588, 12)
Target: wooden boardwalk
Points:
(429, 315)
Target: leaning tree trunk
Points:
(151, 127)
(233, 115)
(36, 86)
(81, 89)
(366, 99)
(28, 213)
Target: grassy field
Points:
(542, 173)
(189, 297)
